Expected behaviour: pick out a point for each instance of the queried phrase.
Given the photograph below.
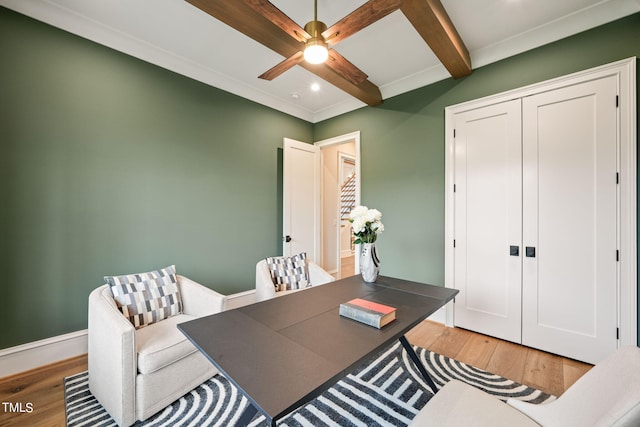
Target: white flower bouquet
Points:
(366, 224)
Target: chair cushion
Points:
(289, 273)
(162, 344)
(459, 404)
(146, 298)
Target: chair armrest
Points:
(265, 288)
(198, 300)
(318, 276)
(112, 356)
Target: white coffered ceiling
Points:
(175, 35)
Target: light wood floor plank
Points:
(347, 267)
(508, 361)
(450, 342)
(478, 350)
(572, 370)
(544, 371)
(426, 334)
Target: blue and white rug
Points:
(389, 391)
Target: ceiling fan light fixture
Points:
(316, 53)
(316, 50)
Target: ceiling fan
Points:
(316, 36)
(268, 25)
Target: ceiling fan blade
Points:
(277, 17)
(283, 66)
(432, 22)
(360, 18)
(345, 68)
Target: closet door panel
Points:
(570, 217)
(487, 222)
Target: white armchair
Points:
(265, 288)
(607, 395)
(135, 373)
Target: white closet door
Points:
(488, 220)
(570, 218)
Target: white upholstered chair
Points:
(135, 373)
(265, 288)
(608, 395)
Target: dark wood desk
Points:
(284, 352)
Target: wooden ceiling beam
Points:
(432, 22)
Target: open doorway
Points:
(340, 192)
(347, 189)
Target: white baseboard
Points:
(44, 352)
(32, 355)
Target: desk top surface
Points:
(285, 351)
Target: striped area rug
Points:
(389, 391)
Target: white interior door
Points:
(487, 219)
(301, 199)
(570, 218)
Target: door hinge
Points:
(617, 101)
(617, 333)
(454, 243)
(617, 177)
(617, 255)
(454, 188)
(454, 133)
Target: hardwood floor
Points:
(538, 369)
(42, 388)
(347, 266)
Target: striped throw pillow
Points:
(289, 272)
(146, 298)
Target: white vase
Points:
(369, 263)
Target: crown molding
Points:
(53, 14)
(85, 27)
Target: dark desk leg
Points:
(248, 414)
(416, 361)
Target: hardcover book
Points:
(368, 312)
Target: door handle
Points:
(287, 239)
(514, 250)
(530, 251)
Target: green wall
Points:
(109, 165)
(403, 142)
